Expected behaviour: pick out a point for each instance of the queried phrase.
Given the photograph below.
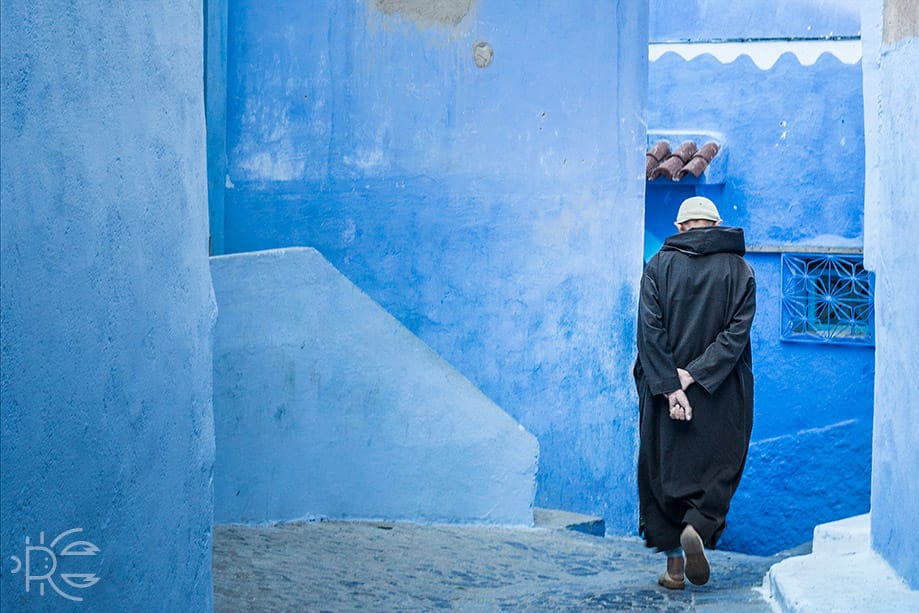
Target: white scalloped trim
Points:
(763, 53)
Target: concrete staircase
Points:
(325, 406)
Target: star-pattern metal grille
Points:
(827, 299)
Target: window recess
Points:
(827, 298)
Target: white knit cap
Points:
(697, 207)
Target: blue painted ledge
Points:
(326, 406)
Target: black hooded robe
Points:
(698, 297)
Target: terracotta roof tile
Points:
(655, 155)
(686, 159)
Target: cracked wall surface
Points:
(427, 12)
(901, 20)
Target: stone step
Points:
(842, 574)
(554, 519)
(843, 537)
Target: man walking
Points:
(695, 386)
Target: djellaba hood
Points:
(704, 241)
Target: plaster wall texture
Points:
(326, 406)
(427, 12)
(793, 141)
(723, 19)
(495, 212)
(107, 307)
(891, 90)
(215, 111)
(810, 455)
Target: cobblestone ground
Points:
(365, 566)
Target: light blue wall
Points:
(495, 211)
(215, 101)
(728, 19)
(891, 91)
(794, 149)
(106, 303)
(326, 406)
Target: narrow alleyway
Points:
(366, 566)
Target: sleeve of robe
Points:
(654, 351)
(718, 360)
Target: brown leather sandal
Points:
(696, 569)
(670, 583)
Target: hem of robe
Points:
(667, 533)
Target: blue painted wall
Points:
(794, 148)
(726, 19)
(810, 454)
(105, 389)
(215, 111)
(326, 406)
(794, 143)
(891, 89)
(495, 211)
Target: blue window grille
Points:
(827, 299)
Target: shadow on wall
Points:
(326, 406)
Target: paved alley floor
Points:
(372, 566)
